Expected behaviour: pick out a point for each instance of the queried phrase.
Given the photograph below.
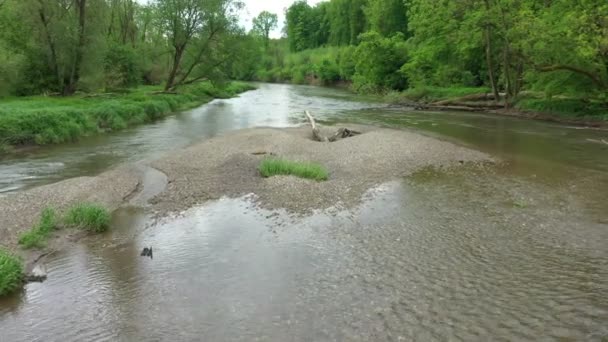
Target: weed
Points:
(11, 272)
(272, 167)
(37, 236)
(89, 217)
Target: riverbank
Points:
(227, 166)
(43, 120)
(574, 111)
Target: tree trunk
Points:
(70, 87)
(51, 43)
(177, 58)
(490, 65)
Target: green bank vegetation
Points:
(11, 272)
(272, 167)
(71, 68)
(77, 67)
(549, 56)
(48, 120)
(85, 216)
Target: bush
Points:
(37, 236)
(11, 272)
(272, 167)
(378, 63)
(88, 217)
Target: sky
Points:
(254, 7)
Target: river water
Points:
(516, 251)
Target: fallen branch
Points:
(316, 133)
(340, 134)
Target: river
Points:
(516, 251)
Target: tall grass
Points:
(11, 272)
(89, 217)
(49, 120)
(37, 236)
(271, 167)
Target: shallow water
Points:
(516, 251)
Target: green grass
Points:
(37, 236)
(42, 120)
(11, 272)
(89, 217)
(272, 167)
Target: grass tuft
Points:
(37, 236)
(89, 217)
(11, 272)
(272, 167)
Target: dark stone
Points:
(147, 252)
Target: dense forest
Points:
(554, 49)
(61, 46)
(553, 53)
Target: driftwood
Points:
(600, 141)
(340, 133)
(468, 98)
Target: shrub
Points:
(37, 236)
(272, 167)
(11, 272)
(89, 217)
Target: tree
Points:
(192, 28)
(264, 23)
(387, 17)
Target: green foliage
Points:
(271, 167)
(48, 120)
(378, 60)
(264, 23)
(37, 236)
(121, 68)
(89, 217)
(387, 17)
(11, 272)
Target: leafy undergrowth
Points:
(11, 272)
(272, 167)
(89, 217)
(45, 120)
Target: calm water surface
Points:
(517, 251)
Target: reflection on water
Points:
(419, 260)
(516, 251)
